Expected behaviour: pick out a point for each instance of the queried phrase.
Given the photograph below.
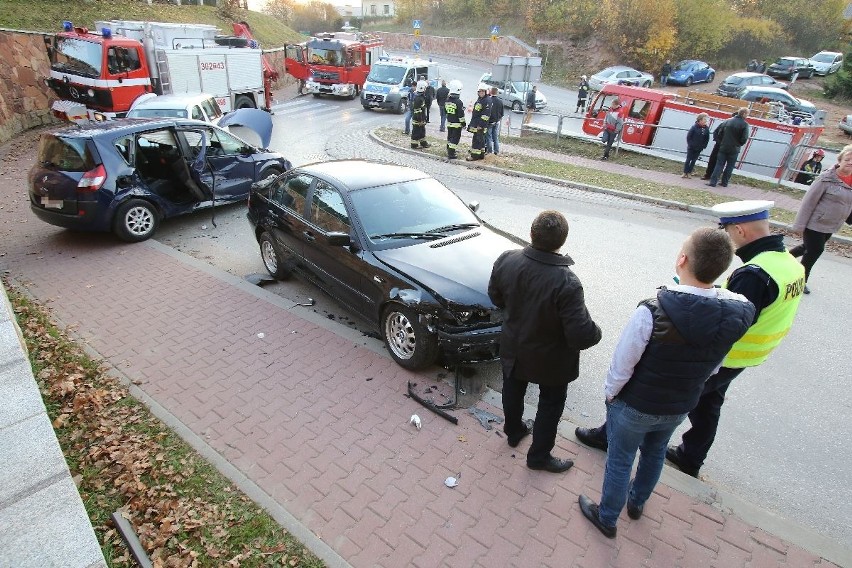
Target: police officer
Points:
(479, 123)
(418, 117)
(774, 282)
(455, 118)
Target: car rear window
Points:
(66, 154)
(157, 113)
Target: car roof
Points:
(618, 68)
(829, 53)
(745, 74)
(759, 88)
(123, 125)
(352, 175)
(180, 101)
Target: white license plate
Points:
(51, 203)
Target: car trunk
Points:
(66, 173)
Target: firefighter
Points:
(479, 123)
(455, 118)
(418, 117)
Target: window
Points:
(211, 108)
(386, 9)
(639, 109)
(327, 209)
(291, 192)
(196, 113)
(122, 60)
(124, 146)
(372, 9)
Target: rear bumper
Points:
(470, 346)
(86, 219)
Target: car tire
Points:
(402, 106)
(710, 77)
(410, 344)
(135, 220)
(316, 95)
(276, 263)
(243, 101)
(688, 81)
(366, 107)
(516, 106)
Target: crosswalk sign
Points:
(416, 24)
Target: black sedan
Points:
(392, 244)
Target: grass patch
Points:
(123, 458)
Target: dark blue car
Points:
(126, 175)
(691, 71)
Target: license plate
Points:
(51, 203)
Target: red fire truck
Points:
(100, 75)
(661, 119)
(334, 63)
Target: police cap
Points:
(733, 212)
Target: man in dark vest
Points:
(545, 326)
(441, 96)
(774, 282)
(667, 350)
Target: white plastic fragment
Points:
(203, 227)
(451, 482)
(261, 335)
(416, 421)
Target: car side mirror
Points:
(473, 206)
(337, 239)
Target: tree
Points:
(643, 30)
(284, 10)
(696, 39)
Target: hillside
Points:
(48, 15)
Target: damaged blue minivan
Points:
(126, 175)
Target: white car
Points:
(826, 62)
(620, 75)
(845, 124)
(514, 93)
(198, 107)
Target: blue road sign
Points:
(416, 24)
(416, 46)
(495, 30)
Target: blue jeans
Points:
(664, 79)
(692, 155)
(492, 138)
(408, 120)
(725, 163)
(443, 118)
(629, 430)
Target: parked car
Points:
(732, 86)
(691, 71)
(845, 124)
(126, 175)
(514, 93)
(786, 67)
(771, 94)
(827, 62)
(392, 244)
(198, 107)
(620, 75)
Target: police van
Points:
(390, 80)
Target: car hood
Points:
(455, 269)
(257, 120)
(806, 104)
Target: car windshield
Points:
(76, 56)
(683, 66)
(157, 113)
(387, 74)
(418, 209)
(734, 80)
(823, 58)
(784, 62)
(522, 86)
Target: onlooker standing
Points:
(530, 105)
(762, 67)
(656, 378)
(665, 72)
(714, 153)
(612, 126)
(773, 281)
(455, 118)
(492, 135)
(696, 140)
(811, 168)
(826, 206)
(545, 326)
(734, 135)
(441, 96)
(408, 110)
(582, 94)
(430, 96)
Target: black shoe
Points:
(673, 455)
(515, 440)
(469, 159)
(634, 511)
(591, 512)
(723, 185)
(604, 158)
(406, 132)
(807, 290)
(711, 184)
(424, 144)
(705, 178)
(553, 465)
(592, 437)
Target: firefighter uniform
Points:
(479, 123)
(418, 117)
(455, 119)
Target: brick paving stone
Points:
(398, 524)
(564, 552)
(455, 526)
(403, 554)
(600, 551)
(797, 556)
(671, 530)
(766, 558)
(663, 555)
(631, 553)
(516, 528)
(641, 532)
(697, 555)
(769, 541)
(438, 552)
(373, 552)
(738, 533)
(729, 555)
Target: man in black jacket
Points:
(430, 96)
(734, 135)
(546, 324)
(669, 347)
(441, 96)
(492, 134)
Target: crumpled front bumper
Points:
(470, 346)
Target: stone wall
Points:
(24, 98)
(481, 49)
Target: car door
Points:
(338, 269)
(229, 166)
(285, 215)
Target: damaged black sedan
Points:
(394, 245)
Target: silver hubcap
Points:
(267, 251)
(139, 220)
(400, 335)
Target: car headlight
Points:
(394, 90)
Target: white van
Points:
(390, 80)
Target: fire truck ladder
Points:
(163, 71)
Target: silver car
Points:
(196, 106)
(827, 62)
(620, 75)
(514, 93)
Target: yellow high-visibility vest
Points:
(775, 319)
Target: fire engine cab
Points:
(100, 75)
(334, 63)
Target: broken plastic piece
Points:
(415, 420)
(485, 417)
(451, 482)
(261, 335)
